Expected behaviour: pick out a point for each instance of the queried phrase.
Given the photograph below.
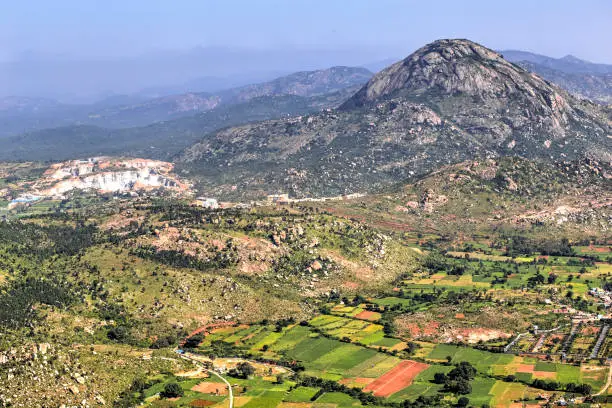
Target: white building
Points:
(207, 202)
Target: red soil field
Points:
(599, 249)
(367, 315)
(210, 388)
(396, 379)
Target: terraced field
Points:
(385, 375)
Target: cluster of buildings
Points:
(280, 199)
(23, 200)
(272, 199)
(206, 202)
(603, 295)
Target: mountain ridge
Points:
(449, 101)
(17, 116)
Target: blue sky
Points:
(105, 28)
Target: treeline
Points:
(33, 240)
(218, 259)
(19, 298)
(520, 245)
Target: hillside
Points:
(450, 101)
(160, 140)
(330, 301)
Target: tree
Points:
(193, 341)
(172, 390)
(460, 386)
(243, 370)
(464, 370)
(439, 378)
(463, 402)
(535, 280)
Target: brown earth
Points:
(368, 315)
(217, 388)
(396, 379)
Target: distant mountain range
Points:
(20, 115)
(82, 80)
(160, 140)
(582, 78)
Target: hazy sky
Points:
(105, 28)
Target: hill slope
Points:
(450, 101)
(159, 140)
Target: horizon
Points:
(115, 29)
(79, 52)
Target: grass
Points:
(543, 366)
(482, 360)
(343, 358)
(504, 394)
(481, 391)
(301, 394)
(335, 398)
(374, 367)
(266, 399)
(310, 349)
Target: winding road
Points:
(216, 374)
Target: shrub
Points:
(172, 390)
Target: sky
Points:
(122, 28)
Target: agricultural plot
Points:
(323, 357)
(255, 392)
(482, 360)
(358, 331)
(395, 380)
(584, 341)
(527, 369)
(385, 375)
(505, 394)
(606, 348)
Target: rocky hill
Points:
(449, 101)
(305, 84)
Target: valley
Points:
(437, 234)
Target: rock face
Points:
(508, 99)
(450, 101)
(106, 175)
